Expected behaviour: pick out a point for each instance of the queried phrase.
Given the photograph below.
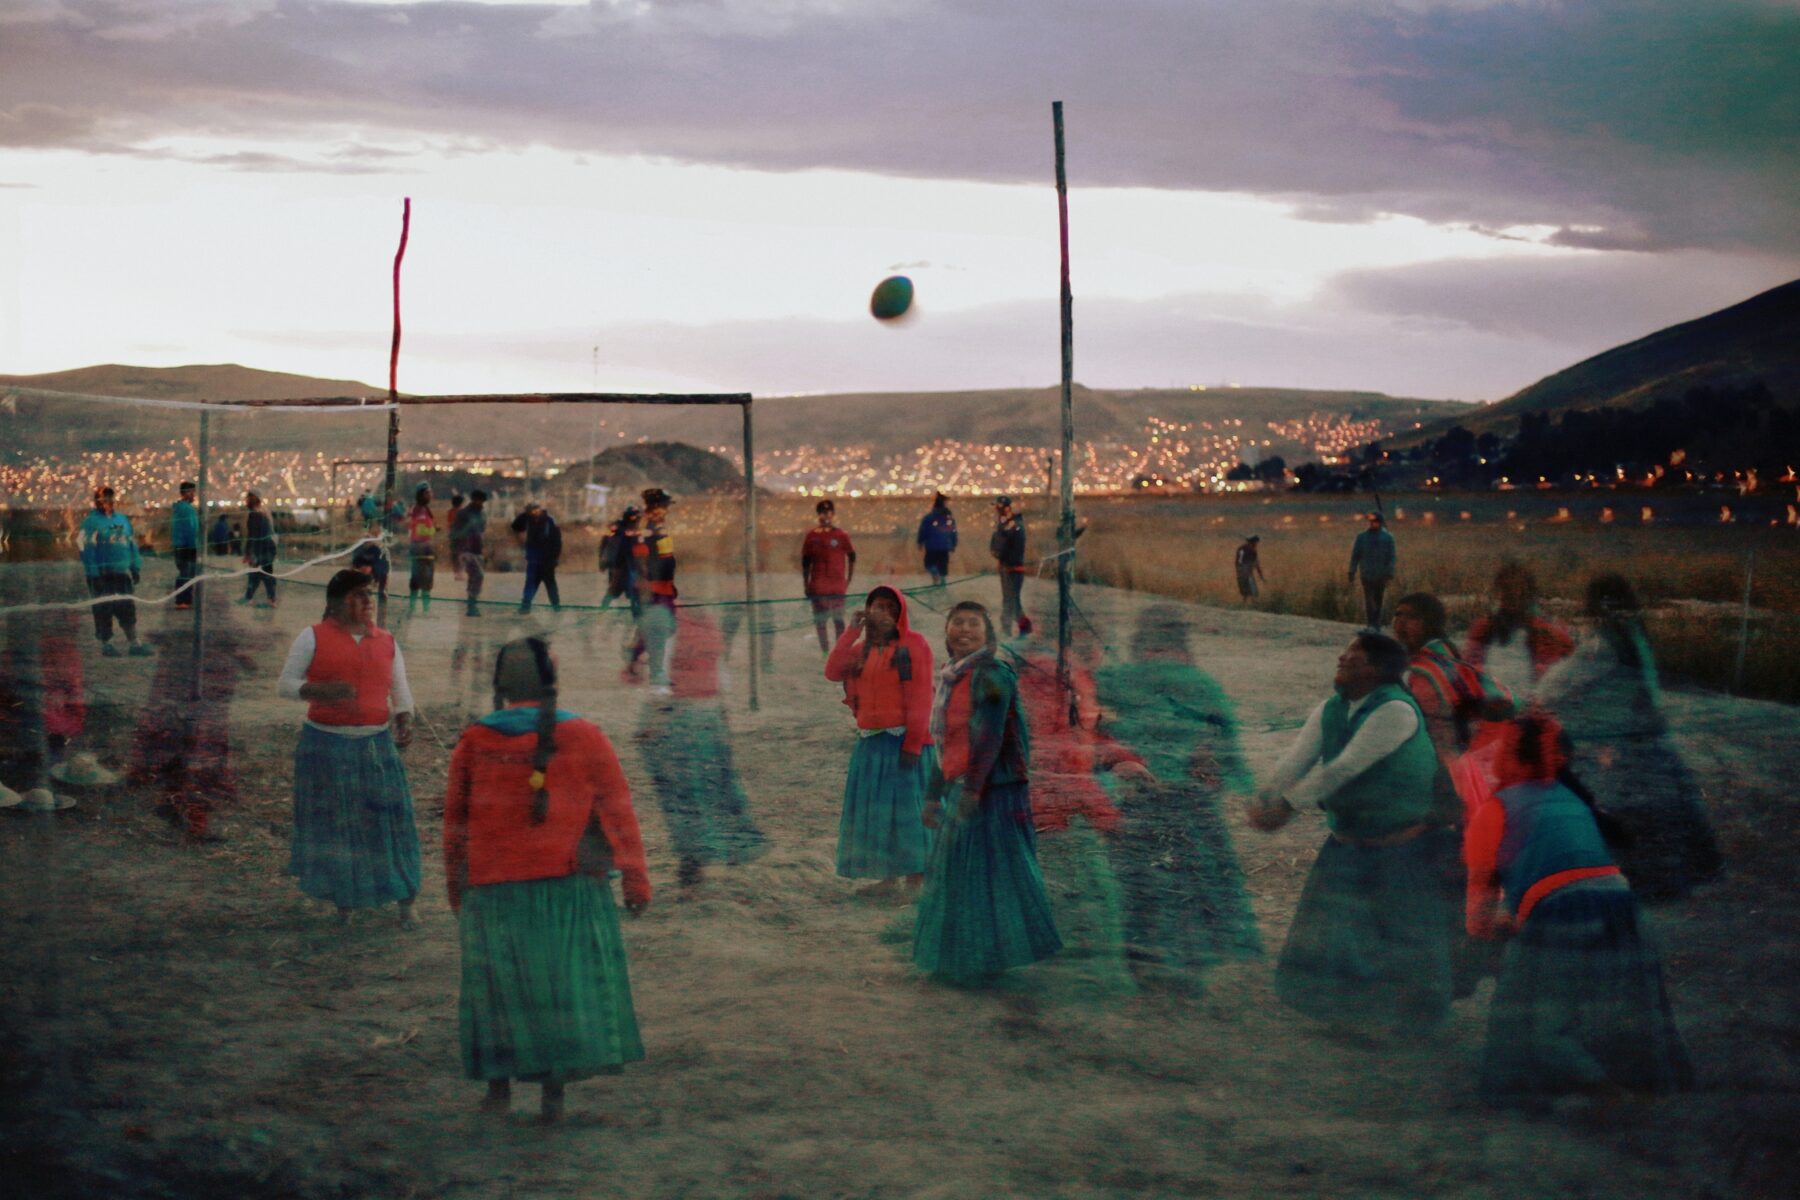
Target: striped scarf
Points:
(947, 678)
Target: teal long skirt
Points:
(984, 909)
(545, 992)
(882, 833)
(1581, 1003)
(1085, 905)
(1370, 944)
(355, 841)
(688, 751)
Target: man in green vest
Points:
(1369, 944)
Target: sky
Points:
(1436, 198)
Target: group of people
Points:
(1522, 789)
(1537, 801)
(113, 562)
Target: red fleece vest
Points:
(369, 665)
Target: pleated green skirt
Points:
(546, 996)
(984, 909)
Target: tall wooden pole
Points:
(751, 620)
(393, 439)
(197, 594)
(1065, 527)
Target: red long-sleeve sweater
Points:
(1064, 757)
(877, 694)
(489, 836)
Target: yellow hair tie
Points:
(537, 781)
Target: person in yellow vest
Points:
(1369, 945)
(356, 843)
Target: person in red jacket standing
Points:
(355, 840)
(546, 996)
(827, 565)
(886, 671)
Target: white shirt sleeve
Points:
(399, 692)
(1386, 730)
(1302, 754)
(299, 660)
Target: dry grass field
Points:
(1686, 566)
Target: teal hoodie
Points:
(109, 545)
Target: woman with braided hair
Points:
(1580, 1006)
(885, 668)
(537, 816)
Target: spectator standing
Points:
(456, 506)
(616, 562)
(110, 559)
(937, 538)
(1249, 567)
(827, 565)
(218, 538)
(466, 530)
(654, 556)
(421, 543)
(1374, 556)
(543, 550)
(1008, 548)
(184, 541)
(259, 548)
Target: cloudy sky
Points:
(1425, 197)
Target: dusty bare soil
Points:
(179, 1021)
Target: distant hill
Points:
(676, 466)
(887, 423)
(1729, 351)
(220, 381)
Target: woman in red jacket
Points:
(984, 910)
(546, 997)
(886, 671)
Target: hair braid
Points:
(546, 731)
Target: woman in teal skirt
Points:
(984, 910)
(537, 816)
(1580, 1007)
(355, 841)
(885, 668)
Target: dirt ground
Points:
(179, 1021)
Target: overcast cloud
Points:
(1644, 123)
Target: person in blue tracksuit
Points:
(109, 556)
(937, 538)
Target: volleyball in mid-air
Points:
(891, 299)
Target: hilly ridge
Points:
(889, 423)
(1756, 341)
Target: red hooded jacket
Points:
(894, 686)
